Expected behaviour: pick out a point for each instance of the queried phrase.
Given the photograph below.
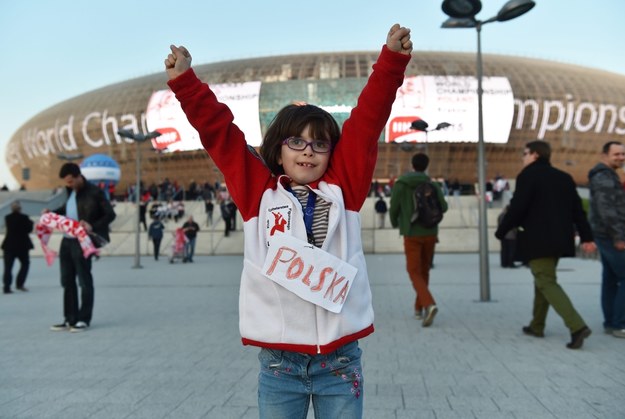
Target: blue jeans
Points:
(189, 249)
(612, 284)
(288, 380)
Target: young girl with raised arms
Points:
(305, 298)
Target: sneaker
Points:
(430, 312)
(577, 338)
(23, 289)
(418, 314)
(618, 333)
(608, 330)
(79, 327)
(60, 327)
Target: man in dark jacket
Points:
(87, 204)
(16, 245)
(419, 241)
(190, 228)
(546, 209)
(607, 219)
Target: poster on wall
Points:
(452, 100)
(165, 115)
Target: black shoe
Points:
(60, 327)
(577, 338)
(79, 327)
(8, 292)
(530, 332)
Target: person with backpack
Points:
(417, 207)
(381, 209)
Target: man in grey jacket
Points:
(607, 220)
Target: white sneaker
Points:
(618, 333)
(418, 314)
(430, 312)
(79, 327)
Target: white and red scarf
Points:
(51, 221)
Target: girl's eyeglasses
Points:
(299, 144)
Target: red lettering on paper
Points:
(333, 284)
(343, 294)
(277, 259)
(322, 278)
(295, 268)
(306, 278)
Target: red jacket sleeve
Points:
(246, 175)
(354, 158)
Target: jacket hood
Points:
(599, 167)
(413, 178)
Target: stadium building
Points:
(575, 109)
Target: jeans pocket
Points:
(270, 359)
(347, 354)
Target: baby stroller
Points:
(177, 247)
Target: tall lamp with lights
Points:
(138, 138)
(421, 125)
(462, 15)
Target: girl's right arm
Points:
(246, 175)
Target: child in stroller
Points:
(177, 247)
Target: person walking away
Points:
(155, 233)
(607, 220)
(16, 245)
(232, 210)
(209, 208)
(143, 209)
(304, 195)
(547, 210)
(420, 237)
(381, 209)
(190, 228)
(507, 252)
(88, 205)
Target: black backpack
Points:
(428, 211)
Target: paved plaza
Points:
(164, 343)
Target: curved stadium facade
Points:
(575, 109)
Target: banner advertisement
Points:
(165, 115)
(452, 100)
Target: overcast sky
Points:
(55, 50)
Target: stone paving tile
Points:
(164, 343)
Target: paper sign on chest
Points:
(309, 272)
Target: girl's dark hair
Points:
(290, 122)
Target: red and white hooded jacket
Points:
(270, 316)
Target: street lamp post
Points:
(462, 15)
(138, 138)
(421, 125)
(70, 157)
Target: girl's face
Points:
(304, 166)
